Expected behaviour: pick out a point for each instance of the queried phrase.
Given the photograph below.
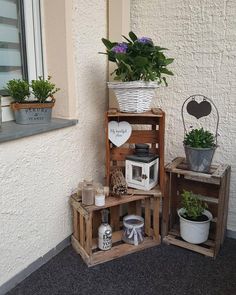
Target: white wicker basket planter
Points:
(135, 96)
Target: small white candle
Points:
(100, 200)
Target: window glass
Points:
(12, 49)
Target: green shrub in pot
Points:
(193, 206)
(38, 110)
(42, 89)
(199, 138)
(18, 89)
(194, 218)
(199, 145)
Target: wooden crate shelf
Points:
(213, 186)
(86, 220)
(148, 127)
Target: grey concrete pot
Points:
(32, 113)
(199, 159)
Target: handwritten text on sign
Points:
(119, 132)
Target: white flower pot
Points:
(135, 96)
(195, 232)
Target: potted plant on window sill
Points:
(194, 218)
(34, 111)
(140, 69)
(199, 146)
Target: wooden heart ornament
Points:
(119, 132)
(199, 110)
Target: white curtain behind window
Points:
(10, 42)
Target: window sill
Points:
(11, 131)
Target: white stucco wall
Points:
(38, 173)
(201, 36)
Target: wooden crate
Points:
(214, 186)
(147, 128)
(87, 219)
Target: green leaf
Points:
(127, 66)
(107, 43)
(169, 61)
(158, 48)
(132, 36)
(140, 61)
(167, 72)
(164, 79)
(126, 39)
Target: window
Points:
(20, 42)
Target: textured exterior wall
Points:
(201, 36)
(38, 173)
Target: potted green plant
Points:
(199, 146)
(194, 218)
(34, 111)
(141, 67)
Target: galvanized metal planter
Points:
(33, 113)
(199, 159)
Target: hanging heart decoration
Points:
(119, 132)
(199, 110)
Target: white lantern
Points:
(141, 169)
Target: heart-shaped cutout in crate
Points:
(119, 132)
(199, 110)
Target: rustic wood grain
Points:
(205, 251)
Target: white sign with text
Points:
(119, 132)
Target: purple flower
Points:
(120, 48)
(145, 40)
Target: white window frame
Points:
(34, 49)
(33, 38)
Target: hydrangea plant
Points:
(138, 59)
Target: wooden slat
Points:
(156, 209)
(219, 172)
(197, 248)
(145, 115)
(132, 208)
(108, 159)
(119, 154)
(205, 189)
(155, 192)
(138, 207)
(220, 214)
(82, 231)
(75, 223)
(88, 229)
(121, 250)
(161, 147)
(114, 201)
(97, 220)
(166, 206)
(147, 222)
(80, 250)
(176, 233)
(174, 164)
(144, 136)
(226, 203)
(175, 199)
(79, 207)
(115, 218)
